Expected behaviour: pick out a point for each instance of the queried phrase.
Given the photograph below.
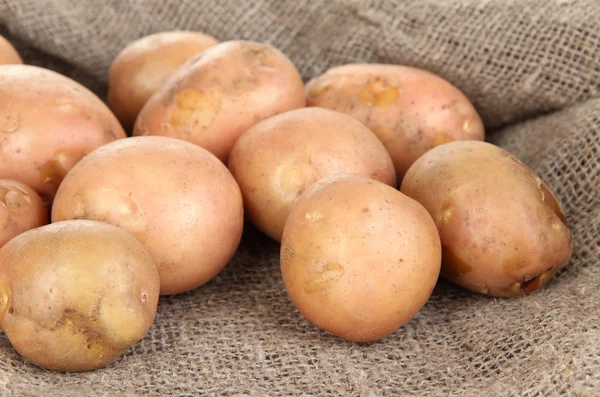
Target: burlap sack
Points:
(531, 67)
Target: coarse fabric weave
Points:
(531, 68)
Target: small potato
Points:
(503, 232)
(21, 209)
(8, 53)
(409, 109)
(144, 65)
(359, 258)
(277, 159)
(48, 122)
(74, 296)
(176, 198)
(220, 93)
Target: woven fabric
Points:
(531, 68)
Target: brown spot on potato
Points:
(293, 177)
(379, 92)
(144, 297)
(452, 265)
(552, 203)
(56, 168)
(441, 138)
(325, 279)
(194, 110)
(10, 123)
(287, 253)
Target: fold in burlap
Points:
(532, 69)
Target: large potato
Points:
(176, 198)
(144, 65)
(359, 258)
(74, 296)
(409, 109)
(8, 53)
(48, 122)
(21, 209)
(277, 159)
(220, 93)
(503, 232)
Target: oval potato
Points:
(176, 198)
(359, 258)
(144, 65)
(220, 93)
(74, 296)
(503, 232)
(48, 122)
(409, 109)
(278, 158)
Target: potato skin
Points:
(220, 93)
(74, 296)
(21, 209)
(8, 53)
(359, 258)
(410, 110)
(48, 122)
(144, 65)
(176, 198)
(503, 232)
(278, 158)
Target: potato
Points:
(144, 65)
(176, 198)
(74, 296)
(278, 158)
(359, 258)
(21, 209)
(409, 109)
(220, 93)
(48, 122)
(503, 232)
(8, 53)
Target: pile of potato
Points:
(224, 131)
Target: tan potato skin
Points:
(8, 53)
(503, 232)
(21, 209)
(74, 296)
(176, 198)
(220, 93)
(144, 65)
(277, 159)
(48, 122)
(358, 258)
(410, 110)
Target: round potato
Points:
(48, 122)
(278, 158)
(220, 93)
(176, 198)
(74, 296)
(144, 65)
(503, 232)
(359, 258)
(409, 109)
(21, 209)
(8, 53)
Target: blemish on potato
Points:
(313, 216)
(112, 206)
(552, 203)
(292, 177)
(17, 202)
(378, 92)
(330, 274)
(287, 253)
(56, 168)
(447, 215)
(467, 127)
(194, 110)
(319, 89)
(10, 123)
(452, 265)
(144, 297)
(441, 138)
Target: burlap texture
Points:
(532, 69)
